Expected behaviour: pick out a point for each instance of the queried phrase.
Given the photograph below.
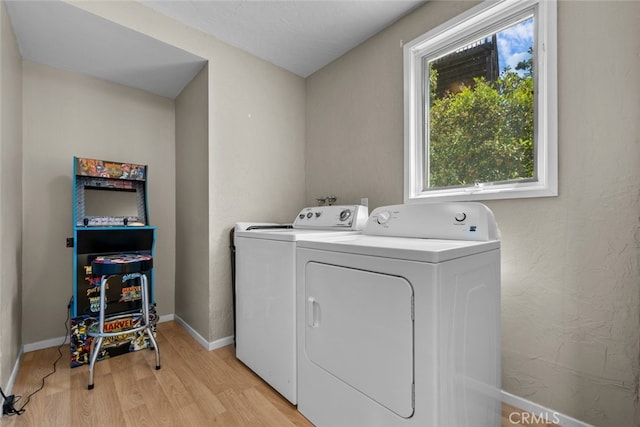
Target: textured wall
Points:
(256, 161)
(570, 308)
(192, 204)
(354, 115)
(67, 114)
(255, 142)
(10, 198)
(571, 263)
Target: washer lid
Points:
(412, 249)
(292, 235)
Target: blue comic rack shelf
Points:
(110, 216)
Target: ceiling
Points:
(301, 36)
(63, 36)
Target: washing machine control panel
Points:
(345, 217)
(453, 221)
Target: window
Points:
(481, 105)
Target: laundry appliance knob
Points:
(460, 216)
(383, 217)
(345, 215)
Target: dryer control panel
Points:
(347, 217)
(451, 221)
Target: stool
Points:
(133, 265)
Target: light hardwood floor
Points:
(195, 387)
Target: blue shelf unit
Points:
(110, 216)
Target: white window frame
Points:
(475, 21)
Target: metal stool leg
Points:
(146, 319)
(96, 345)
(95, 350)
(134, 266)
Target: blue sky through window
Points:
(514, 43)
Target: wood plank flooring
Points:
(195, 387)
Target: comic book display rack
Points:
(110, 217)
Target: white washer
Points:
(265, 290)
(400, 326)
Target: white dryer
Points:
(265, 289)
(400, 326)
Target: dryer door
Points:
(359, 328)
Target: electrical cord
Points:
(8, 404)
(8, 407)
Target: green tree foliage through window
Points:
(482, 131)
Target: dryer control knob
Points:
(345, 215)
(383, 217)
(460, 216)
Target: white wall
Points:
(256, 161)
(354, 115)
(10, 198)
(67, 114)
(255, 141)
(192, 204)
(571, 301)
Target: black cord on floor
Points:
(7, 404)
(10, 409)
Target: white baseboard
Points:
(166, 318)
(542, 413)
(54, 342)
(201, 340)
(221, 342)
(14, 373)
(39, 345)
